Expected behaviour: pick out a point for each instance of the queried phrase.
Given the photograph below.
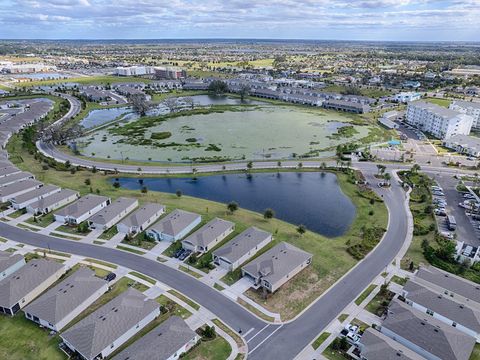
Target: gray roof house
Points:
(9, 263)
(167, 341)
(241, 248)
(109, 327)
(276, 266)
(210, 234)
(21, 287)
(23, 175)
(21, 201)
(110, 215)
(376, 346)
(443, 282)
(8, 170)
(65, 301)
(142, 218)
(52, 202)
(443, 308)
(18, 188)
(82, 209)
(174, 226)
(425, 335)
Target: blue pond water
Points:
(310, 198)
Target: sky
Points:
(393, 20)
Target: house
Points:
(52, 202)
(8, 170)
(81, 209)
(168, 341)
(101, 333)
(241, 248)
(110, 215)
(21, 201)
(425, 335)
(18, 188)
(441, 307)
(66, 300)
(21, 287)
(141, 219)
(454, 286)
(464, 144)
(9, 263)
(210, 234)
(174, 226)
(276, 266)
(376, 346)
(23, 175)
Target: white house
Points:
(174, 226)
(9, 263)
(142, 218)
(110, 215)
(22, 201)
(52, 202)
(18, 188)
(82, 209)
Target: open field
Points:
(216, 349)
(439, 101)
(87, 80)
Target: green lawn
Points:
(216, 349)
(184, 299)
(399, 280)
(254, 310)
(173, 307)
(365, 294)
(439, 101)
(87, 80)
(107, 235)
(476, 353)
(342, 317)
(135, 251)
(42, 221)
(378, 305)
(331, 354)
(319, 341)
(143, 277)
(23, 340)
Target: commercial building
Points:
(52, 202)
(175, 226)
(168, 341)
(469, 108)
(209, 235)
(82, 209)
(9, 263)
(438, 121)
(241, 248)
(18, 188)
(65, 301)
(170, 73)
(105, 330)
(133, 70)
(113, 213)
(464, 144)
(22, 201)
(19, 288)
(142, 218)
(346, 106)
(425, 335)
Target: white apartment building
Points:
(470, 108)
(438, 121)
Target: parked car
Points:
(178, 253)
(184, 255)
(468, 196)
(440, 212)
(110, 276)
(471, 158)
(446, 234)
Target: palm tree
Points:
(387, 178)
(301, 229)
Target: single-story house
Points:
(452, 285)
(168, 341)
(174, 226)
(442, 307)
(209, 235)
(9, 263)
(105, 330)
(52, 202)
(18, 188)
(21, 287)
(82, 209)
(8, 170)
(66, 300)
(376, 346)
(426, 335)
(23, 175)
(141, 219)
(276, 266)
(21, 201)
(241, 248)
(110, 215)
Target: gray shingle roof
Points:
(82, 205)
(175, 222)
(209, 232)
(62, 299)
(91, 335)
(19, 186)
(377, 346)
(108, 213)
(34, 194)
(242, 244)
(277, 262)
(53, 199)
(160, 343)
(450, 282)
(443, 305)
(141, 215)
(428, 333)
(8, 259)
(467, 104)
(19, 284)
(15, 177)
(9, 169)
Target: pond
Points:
(103, 116)
(313, 199)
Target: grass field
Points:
(87, 80)
(365, 294)
(439, 101)
(216, 349)
(320, 340)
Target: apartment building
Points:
(469, 108)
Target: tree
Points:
(301, 229)
(116, 184)
(249, 165)
(140, 103)
(171, 103)
(209, 332)
(88, 182)
(218, 87)
(268, 214)
(381, 169)
(415, 169)
(244, 91)
(232, 206)
(178, 193)
(387, 178)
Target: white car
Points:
(446, 234)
